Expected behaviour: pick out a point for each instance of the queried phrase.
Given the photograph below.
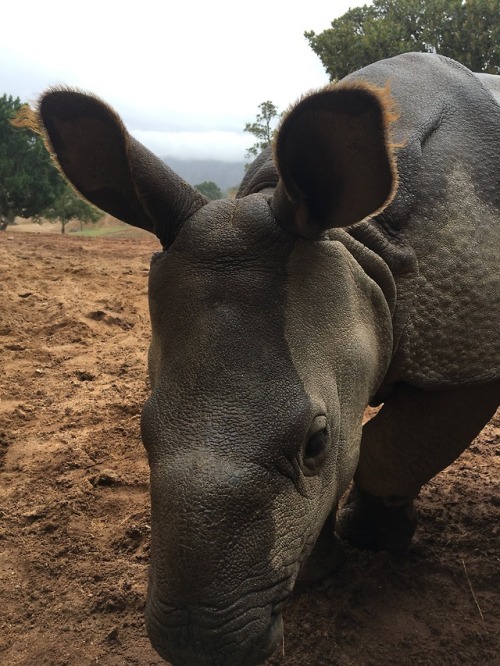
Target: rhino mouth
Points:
(247, 640)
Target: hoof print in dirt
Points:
(85, 375)
(106, 477)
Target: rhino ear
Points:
(110, 168)
(335, 160)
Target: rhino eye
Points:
(316, 449)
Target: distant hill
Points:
(223, 174)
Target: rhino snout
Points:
(247, 640)
(219, 570)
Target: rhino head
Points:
(268, 339)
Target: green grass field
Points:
(103, 231)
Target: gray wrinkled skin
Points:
(358, 263)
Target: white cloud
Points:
(193, 67)
(228, 146)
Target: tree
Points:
(465, 30)
(29, 182)
(209, 189)
(262, 128)
(68, 206)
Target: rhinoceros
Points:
(358, 264)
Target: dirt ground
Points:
(74, 504)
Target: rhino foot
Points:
(370, 522)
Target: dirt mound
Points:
(74, 509)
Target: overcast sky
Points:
(185, 76)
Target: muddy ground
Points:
(74, 505)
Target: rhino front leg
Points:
(415, 435)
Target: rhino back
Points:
(447, 214)
(492, 82)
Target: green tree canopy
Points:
(209, 189)
(29, 182)
(465, 30)
(30, 185)
(262, 128)
(68, 206)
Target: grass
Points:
(99, 231)
(107, 227)
(122, 231)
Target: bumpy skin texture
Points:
(358, 264)
(447, 211)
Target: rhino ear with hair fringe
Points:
(112, 170)
(335, 159)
